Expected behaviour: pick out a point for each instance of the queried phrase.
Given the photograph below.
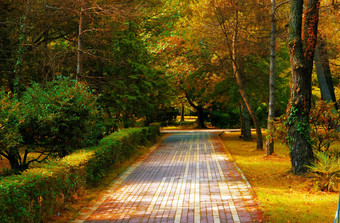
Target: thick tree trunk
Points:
(302, 45)
(182, 112)
(240, 84)
(323, 72)
(200, 118)
(271, 108)
(14, 160)
(246, 124)
(200, 113)
(80, 61)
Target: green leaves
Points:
(56, 118)
(10, 119)
(327, 169)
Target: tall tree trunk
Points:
(182, 112)
(6, 78)
(200, 117)
(80, 62)
(240, 84)
(18, 64)
(323, 71)
(271, 108)
(240, 108)
(302, 44)
(246, 124)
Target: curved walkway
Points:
(186, 178)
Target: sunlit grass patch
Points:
(284, 197)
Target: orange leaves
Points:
(310, 23)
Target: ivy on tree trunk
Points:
(303, 33)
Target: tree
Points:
(228, 17)
(190, 72)
(53, 119)
(323, 71)
(302, 41)
(272, 71)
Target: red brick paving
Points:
(187, 178)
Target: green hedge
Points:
(38, 192)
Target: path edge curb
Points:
(231, 158)
(87, 211)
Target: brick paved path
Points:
(187, 178)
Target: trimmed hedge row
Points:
(38, 192)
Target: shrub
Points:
(116, 148)
(327, 170)
(323, 131)
(224, 120)
(62, 116)
(53, 119)
(38, 192)
(10, 120)
(323, 126)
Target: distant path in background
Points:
(187, 178)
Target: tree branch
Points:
(280, 4)
(190, 102)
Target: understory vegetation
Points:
(39, 192)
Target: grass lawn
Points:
(284, 197)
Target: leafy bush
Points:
(61, 116)
(224, 120)
(327, 169)
(118, 147)
(38, 192)
(323, 126)
(166, 115)
(53, 119)
(323, 131)
(10, 120)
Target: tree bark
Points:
(200, 118)
(303, 32)
(241, 119)
(200, 113)
(18, 64)
(271, 108)
(323, 71)
(240, 83)
(182, 112)
(14, 159)
(80, 61)
(246, 124)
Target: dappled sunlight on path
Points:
(187, 178)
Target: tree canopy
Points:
(141, 60)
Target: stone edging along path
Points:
(188, 177)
